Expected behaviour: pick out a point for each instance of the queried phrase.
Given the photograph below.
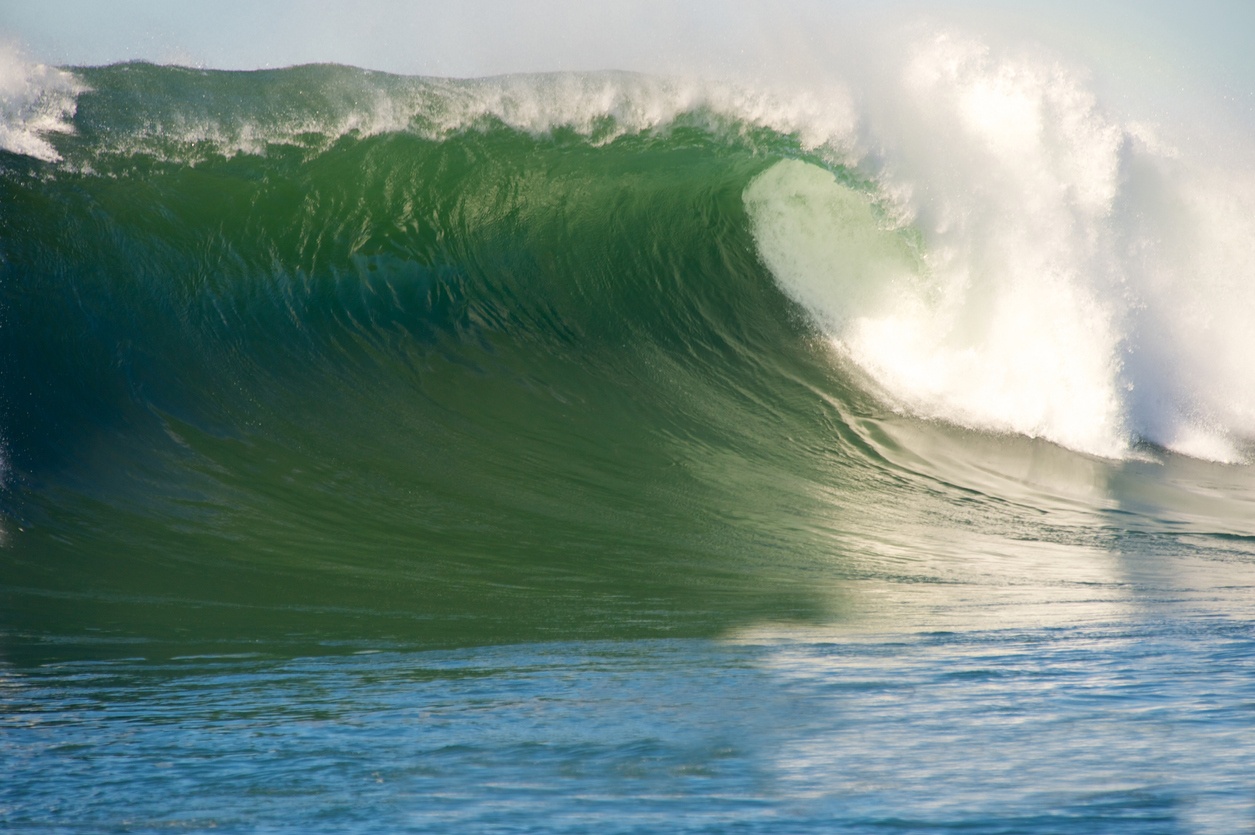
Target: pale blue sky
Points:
(481, 37)
(467, 37)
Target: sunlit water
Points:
(1135, 726)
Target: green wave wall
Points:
(318, 357)
(488, 386)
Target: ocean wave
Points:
(975, 230)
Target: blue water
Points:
(1108, 727)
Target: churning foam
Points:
(35, 100)
(1078, 280)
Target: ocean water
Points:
(628, 452)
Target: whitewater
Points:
(855, 437)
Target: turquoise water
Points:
(610, 452)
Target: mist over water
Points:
(1074, 276)
(647, 417)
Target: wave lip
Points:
(184, 115)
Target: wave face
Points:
(281, 358)
(319, 351)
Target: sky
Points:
(463, 38)
(483, 37)
(1141, 45)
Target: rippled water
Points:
(1139, 726)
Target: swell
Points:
(490, 386)
(460, 379)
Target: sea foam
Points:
(35, 100)
(1079, 278)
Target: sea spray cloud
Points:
(1077, 280)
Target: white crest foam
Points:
(35, 100)
(604, 105)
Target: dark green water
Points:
(453, 391)
(524, 416)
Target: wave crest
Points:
(35, 100)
